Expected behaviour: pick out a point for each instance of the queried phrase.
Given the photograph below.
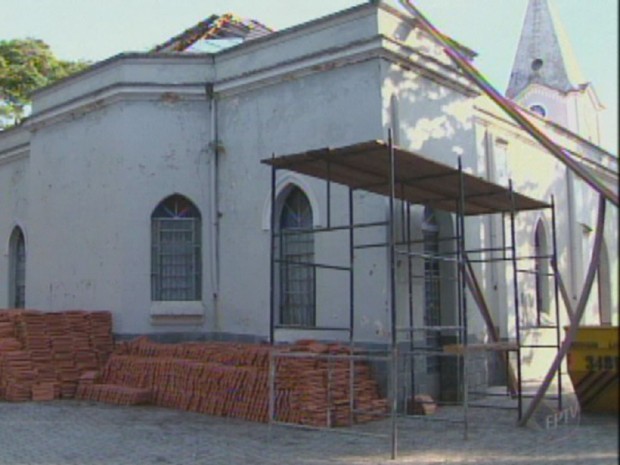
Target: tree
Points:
(26, 65)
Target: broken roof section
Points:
(215, 33)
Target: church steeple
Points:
(546, 77)
(544, 55)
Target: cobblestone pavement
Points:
(84, 433)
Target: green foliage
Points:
(27, 65)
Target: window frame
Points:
(432, 285)
(542, 301)
(538, 109)
(176, 247)
(17, 268)
(302, 247)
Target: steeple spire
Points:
(544, 55)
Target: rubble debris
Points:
(421, 404)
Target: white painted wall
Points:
(104, 147)
(332, 108)
(92, 199)
(537, 173)
(14, 202)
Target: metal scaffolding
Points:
(403, 176)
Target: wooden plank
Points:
(418, 180)
(484, 347)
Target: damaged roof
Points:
(226, 26)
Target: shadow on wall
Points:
(432, 119)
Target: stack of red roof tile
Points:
(18, 375)
(316, 390)
(57, 348)
(7, 328)
(44, 355)
(78, 322)
(57, 325)
(231, 380)
(32, 330)
(45, 391)
(115, 394)
(101, 334)
(64, 363)
(8, 344)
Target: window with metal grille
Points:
(297, 273)
(18, 269)
(432, 303)
(176, 271)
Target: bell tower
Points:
(546, 77)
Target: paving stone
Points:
(78, 432)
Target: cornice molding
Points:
(17, 152)
(115, 93)
(377, 47)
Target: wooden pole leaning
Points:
(511, 110)
(476, 291)
(576, 317)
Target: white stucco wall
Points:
(537, 173)
(327, 109)
(14, 202)
(94, 183)
(103, 148)
(431, 111)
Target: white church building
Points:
(137, 186)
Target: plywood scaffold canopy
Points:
(418, 180)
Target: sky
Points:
(97, 29)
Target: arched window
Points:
(541, 273)
(539, 110)
(17, 269)
(432, 292)
(176, 270)
(297, 275)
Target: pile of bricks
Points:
(114, 394)
(18, 376)
(45, 356)
(232, 380)
(42, 355)
(316, 390)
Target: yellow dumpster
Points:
(593, 368)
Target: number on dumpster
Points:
(601, 363)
